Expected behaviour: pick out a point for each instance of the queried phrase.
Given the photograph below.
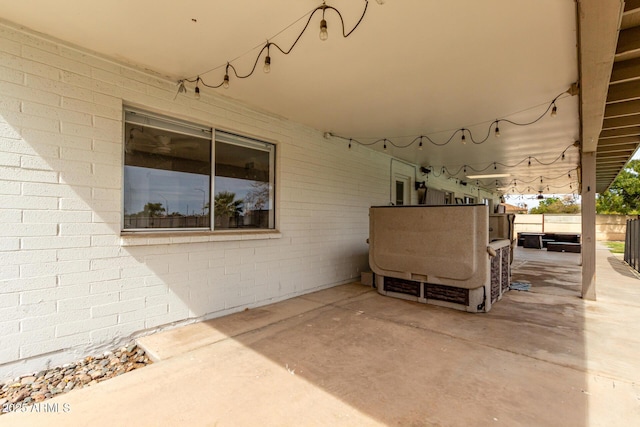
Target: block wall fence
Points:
(608, 227)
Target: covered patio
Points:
(349, 356)
(106, 122)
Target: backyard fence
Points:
(632, 244)
(608, 227)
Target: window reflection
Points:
(243, 183)
(166, 179)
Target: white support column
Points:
(589, 225)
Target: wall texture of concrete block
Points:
(71, 285)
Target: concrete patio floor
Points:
(349, 356)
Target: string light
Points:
(444, 170)
(463, 139)
(266, 47)
(267, 63)
(349, 144)
(420, 145)
(197, 90)
(497, 131)
(385, 145)
(324, 34)
(554, 110)
(551, 188)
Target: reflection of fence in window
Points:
(250, 219)
(176, 221)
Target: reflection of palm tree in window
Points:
(225, 206)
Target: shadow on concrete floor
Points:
(622, 268)
(349, 356)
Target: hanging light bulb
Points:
(323, 30)
(267, 64)
(569, 175)
(554, 110)
(563, 155)
(463, 139)
(349, 143)
(420, 145)
(385, 145)
(465, 168)
(529, 161)
(494, 166)
(497, 131)
(197, 91)
(225, 82)
(540, 180)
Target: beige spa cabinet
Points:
(438, 255)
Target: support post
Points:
(589, 225)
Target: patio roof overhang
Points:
(411, 68)
(620, 135)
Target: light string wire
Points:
(464, 168)
(198, 80)
(513, 184)
(444, 171)
(522, 196)
(493, 125)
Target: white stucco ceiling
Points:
(412, 67)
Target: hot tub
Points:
(438, 255)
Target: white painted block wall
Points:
(69, 287)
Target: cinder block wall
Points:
(608, 227)
(69, 285)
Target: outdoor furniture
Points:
(532, 240)
(552, 237)
(564, 247)
(438, 255)
(545, 242)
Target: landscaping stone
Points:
(36, 387)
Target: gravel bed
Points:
(42, 385)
